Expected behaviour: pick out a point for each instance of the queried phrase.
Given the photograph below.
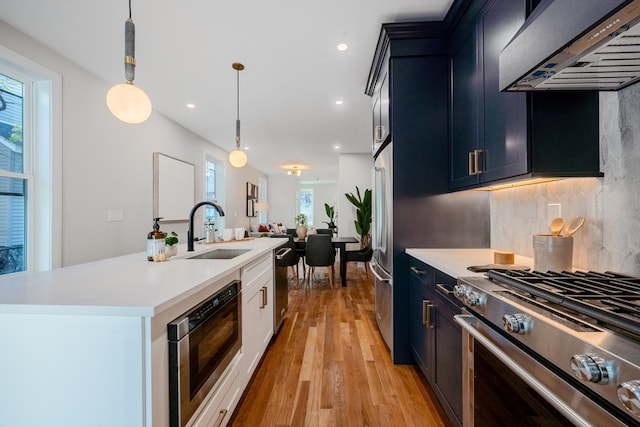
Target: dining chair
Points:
(319, 253)
(324, 231)
(361, 255)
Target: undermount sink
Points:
(220, 254)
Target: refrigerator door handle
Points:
(378, 276)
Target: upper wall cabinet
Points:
(381, 123)
(499, 137)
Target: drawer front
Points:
(217, 411)
(254, 270)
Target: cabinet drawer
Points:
(252, 271)
(217, 410)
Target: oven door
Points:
(198, 359)
(503, 385)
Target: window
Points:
(13, 179)
(305, 204)
(29, 188)
(213, 190)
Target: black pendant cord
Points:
(129, 9)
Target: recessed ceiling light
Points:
(336, 146)
(339, 102)
(190, 105)
(342, 47)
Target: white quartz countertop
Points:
(126, 285)
(454, 262)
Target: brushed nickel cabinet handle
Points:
(476, 161)
(443, 289)
(471, 162)
(263, 294)
(417, 270)
(221, 415)
(427, 311)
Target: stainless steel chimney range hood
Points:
(574, 45)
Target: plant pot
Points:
(301, 231)
(171, 250)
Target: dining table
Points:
(339, 243)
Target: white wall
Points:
(354, 170)
(610, 237)
(282, 199)
(322, 193)
(107, 164)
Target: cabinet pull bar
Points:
(471, 162)
(476, 161)
(263, 294)
(417, 270)
(427, 309)
(221, 415)
(443, 289)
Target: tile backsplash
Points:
(610, 237)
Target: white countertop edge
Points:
(454, 262)
(137, 288)
(83, 310)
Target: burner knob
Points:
(459, 291)
(589, 368)
(629, 396)
(471, 298)
(515, 323)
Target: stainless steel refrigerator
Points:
(382, 223)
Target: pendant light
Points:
(126, 101)
(237, 157)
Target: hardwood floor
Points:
(328, 366)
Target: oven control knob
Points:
(459, 291)
(629, 396)
(590, 368)
(515, 323)
(471, 298)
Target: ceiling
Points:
(293, 71)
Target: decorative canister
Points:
(552, 253)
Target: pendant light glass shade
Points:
(126, 101)
(129, 103)
(237, 157)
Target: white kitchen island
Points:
(87, 344)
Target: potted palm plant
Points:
(363, 214)
(331, 213)
(301, 226)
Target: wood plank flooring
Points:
(328, 366)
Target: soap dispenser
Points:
(155, 242)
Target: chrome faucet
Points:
(193, 211)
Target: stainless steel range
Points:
(559, 347)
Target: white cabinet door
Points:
(257, 313)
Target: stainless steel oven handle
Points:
(378, 276)
(282, 252)
(465, 321)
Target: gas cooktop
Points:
(611, 299)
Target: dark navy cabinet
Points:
(498, 136)
(436, 339)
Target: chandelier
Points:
(294, 171)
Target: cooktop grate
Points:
(610, 298)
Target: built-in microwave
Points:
(202, 343)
